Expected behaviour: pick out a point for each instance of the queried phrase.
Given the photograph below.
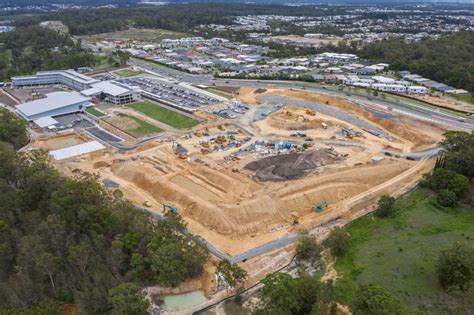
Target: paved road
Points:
(283, 241)
(326, 110)
(405, 107)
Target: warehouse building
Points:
(54, 104)
(114, 92)
(70, 78)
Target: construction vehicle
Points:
(170, 207)
(310, 112)
(322, 206)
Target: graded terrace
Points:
(289, 160)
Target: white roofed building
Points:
(114, 92)
(54, 104)
(70, 78)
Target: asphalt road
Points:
(404, 107)
(401, 106)
(326, 110)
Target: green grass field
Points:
(93, 111)
(127, 73)
(164, 115)
(144, 129)
(133, 125)
(401, 253)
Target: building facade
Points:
(70, 78)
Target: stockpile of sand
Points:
(289, 166)
(300, 118)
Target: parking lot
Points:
(171, 92)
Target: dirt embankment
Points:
(299, 118)
(402, 130)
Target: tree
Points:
(376, 300)
(438, 179)
(456, 267)
(12, 129)
(307, 249)
(126, 299)
(459, 184)
(303, 295)
(459, 152)
(446, 198)
(338, 241)
(70, 240)
(386, 206)
(232, 273)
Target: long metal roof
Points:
(51, 102)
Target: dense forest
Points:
(68, 240)
(32, 48)
(449, 59)
(179, 17)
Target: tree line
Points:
(306, 294)
(70, 241)
(448, 59)
(33, 48)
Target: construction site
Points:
(294, 161)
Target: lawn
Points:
(164, 115)
(401, 253)
(128, 73)
(134, 126)
(93, 111)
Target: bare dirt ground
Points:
(447, 102)
(234, 209)
(406, 130)
(55, 141)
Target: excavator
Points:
(322, 206)
(170, 207)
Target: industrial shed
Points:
(54, 104)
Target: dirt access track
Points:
(224, 201)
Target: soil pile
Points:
(290, 166)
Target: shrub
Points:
(446, 198)
(456, 267)
(385, 206)
(338, 241)
(307, 249)
(376, 300)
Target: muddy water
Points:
(183, 301)
(63, 142)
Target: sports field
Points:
(401, 254)
(93, 111)
(134, 126)
(164, 115)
